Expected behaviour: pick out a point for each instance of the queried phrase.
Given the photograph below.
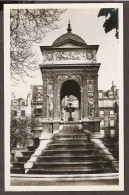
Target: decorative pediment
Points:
(69, 48)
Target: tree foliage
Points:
(20, 131)
(111, 21)
(27, 27)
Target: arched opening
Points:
(70, 100)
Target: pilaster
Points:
(44, 77)
(85, 97)
(56, 96)
(96, 95)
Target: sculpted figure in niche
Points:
(90, 105)
(50, 106)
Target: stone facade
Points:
(70, 68)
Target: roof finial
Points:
(69, 29)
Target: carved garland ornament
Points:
(70, 55)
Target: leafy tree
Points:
(20, 131)
(111, 21)
(27, 27)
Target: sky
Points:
(88, 26)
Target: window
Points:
(102, 123)
(100, 103)
(100, 94)
(110, 93)
(111, 103)
(22, 112)
(39, 111)
(112, 132)
(111, 112)
(106, 103)
(111, 123)
(23, 103)
(15, 103)
(101, 113)
(38, 98)
(102, 131)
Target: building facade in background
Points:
(21, 107)
(108, 110)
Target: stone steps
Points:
(71, 171)
(71, 158)
(72, 165)
(72, 154)
(71, 145)
(17, 170)
(71, 151)
(18, 166)
(71, 135)
(28, 153)
(23, 159)
(71, 141)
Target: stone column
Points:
(58, 101)
(85, 97)
(45, 97)
(96, 95)
(56, 104)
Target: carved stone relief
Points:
(89, 55)
(70, 55)
(76, 55)
(49, 87)
(62, 78)
(49, 56)
(90, 76)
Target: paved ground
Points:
(60, 182)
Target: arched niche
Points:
(70, 88)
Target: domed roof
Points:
(68, 36)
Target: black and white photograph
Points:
(63, 75)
